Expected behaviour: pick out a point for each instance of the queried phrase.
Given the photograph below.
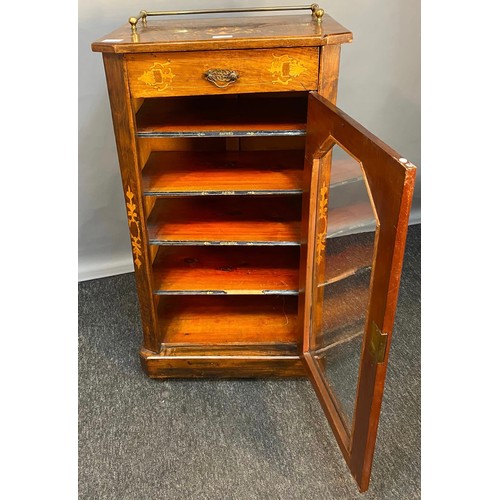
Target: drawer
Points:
(185, 73)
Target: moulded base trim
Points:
(158, 366)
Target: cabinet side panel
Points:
(123, 123)
(329, 61)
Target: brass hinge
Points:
(378, 343)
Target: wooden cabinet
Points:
(267, 226)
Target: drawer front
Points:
(185, 73)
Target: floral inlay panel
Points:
(285, 68)
(159, 76)
(133, 222)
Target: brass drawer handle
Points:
(221, 77)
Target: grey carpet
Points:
(238, 439)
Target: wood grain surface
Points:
(221, 366)
(222, 116)
(223, 173)
(235, 319)
(183, 73)
(232, 32)
(232, 220)
(226, 270)
(123, 123)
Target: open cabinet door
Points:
(357, 210)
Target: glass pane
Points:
(342, 274)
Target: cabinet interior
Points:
(222, 183)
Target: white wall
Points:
(379, 86)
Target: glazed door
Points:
(357, 214)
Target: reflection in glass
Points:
(343, 274)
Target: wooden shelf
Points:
(344, 309)
(350, 219)
(226, 270)
(175, 173)
(219, 220)
(215, 320)
(347, 255)
(345, 171)
(226, 116)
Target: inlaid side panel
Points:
(123, 122)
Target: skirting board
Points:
(111, 267)
(126, 265)
(415, 217)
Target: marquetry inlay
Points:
(322, 223)
(133, 220)
(285, 68)
(159, 76)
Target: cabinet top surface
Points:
(177, 34)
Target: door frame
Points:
(390, 180)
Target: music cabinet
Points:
(267, 226)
